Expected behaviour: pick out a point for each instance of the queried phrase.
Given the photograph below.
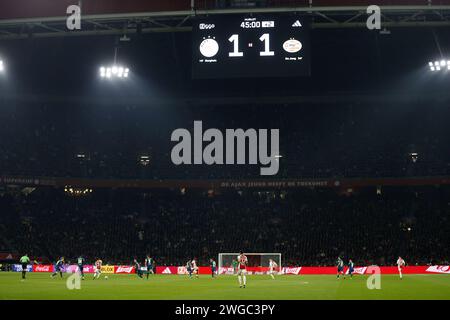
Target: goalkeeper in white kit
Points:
(272, 268)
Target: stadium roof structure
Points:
(22, 19)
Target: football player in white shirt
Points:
(98, 268)
(272, 266)
(195, 267)
(242, 269)
(400, 265)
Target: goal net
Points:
(258, 263)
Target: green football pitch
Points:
(167, 287)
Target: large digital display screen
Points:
(235, 46)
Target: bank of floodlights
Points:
(2, 66)
(442, 65)
(114, 71)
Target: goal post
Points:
(258, 263)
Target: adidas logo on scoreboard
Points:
(297, 24)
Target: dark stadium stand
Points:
(309, 227)
(316, 141)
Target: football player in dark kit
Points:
(189, 268)
(58, 267)
(80, 262)
(213, 267)
(340, 267)
(351, 268)
(137, 266)
(149, 264)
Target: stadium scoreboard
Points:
(235, 46)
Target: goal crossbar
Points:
(225, 259)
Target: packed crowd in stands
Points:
(316, 141)
(308, 227)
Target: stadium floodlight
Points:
(414, 156)
(2, 67)
(144, 160)
(439, 65)
(114, 71)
